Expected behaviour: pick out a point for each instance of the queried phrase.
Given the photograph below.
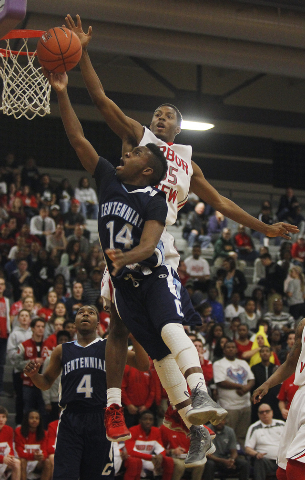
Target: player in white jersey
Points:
(183, 174)
(291, 454)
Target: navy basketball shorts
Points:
(82, 449)
(145, 305)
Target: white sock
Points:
(114, 395)
(184, 352)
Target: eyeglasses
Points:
(264, 411)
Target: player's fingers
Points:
(78, 20)
(89, 32)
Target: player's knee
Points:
(16, 465)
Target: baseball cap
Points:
(55, 207)
(74, 201)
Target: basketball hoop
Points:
(26, 91)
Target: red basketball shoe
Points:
(116, 430)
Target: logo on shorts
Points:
(163, 275)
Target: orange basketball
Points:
(59, 50)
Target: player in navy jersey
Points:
(149, 296)
(82, 449)
(164, 127)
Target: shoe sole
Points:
(122, 438)
(203, 415)
(211, 450)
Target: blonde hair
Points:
(300, 274)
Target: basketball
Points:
(59, 50)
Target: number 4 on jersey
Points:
(124, 236)
(84, 386)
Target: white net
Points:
(26, 91)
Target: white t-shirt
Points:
(235, 371)
(231, 312)
(265, 438)
(197, 268)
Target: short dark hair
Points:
(158, 163)
(146, 412)
(3, 411)
(63, 333)
(178, 113)
(265, 255)
(36, 320)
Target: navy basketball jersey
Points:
(123, 210)
(83, 378)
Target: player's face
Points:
(133, 164)
(3, 419)
(164, 123)
(86, 319)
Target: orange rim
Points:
(20, 34)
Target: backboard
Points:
(11, 13)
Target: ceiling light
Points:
(186, 125)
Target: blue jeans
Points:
(204, 240)
(89, 210)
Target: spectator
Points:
(27, 236)
(259, 341)
(31, 446)
(182, 272)
(213, 335)
(47, 311)
(206, 365)
(244, 245)
(9, 168)
(43, 273)
(60, 310)
(42, 225)
(278, 318)
(273, 283)
(9, 465)
(234, 281)
(250, 316)
(51, 396)
(217, 308)
(205, 311)
(21, 278)
(17, 306)
(234, 309)
(243, 343)
(92, 286)
(262, 371)
(20, 333)
(198, 269)
(87, 198)
(146, 443)
(234, 380)
(260, 304)
(195, 229)
(177, 445)
(69, 325)
(5, 328)
(262, 442)
(286, 348)
(285, 395)
(73, 217)
(286, 205)
(275, 339)
(64, 195)
(218, 353)
(231, 329)
(138, 393)
(72, 258)
(132, 466)
(45, 191)
(57, 240)
(216, 224)
(31, 349)
(259, 269)
(95, 258)
(79, 236)
(266, 216)
(295, 292)
(56, 215)
(298, 251)
(77, 299)
(223, 246)
(30, 174)
(17, 212)
(226, 459)
(29, 201)
(51, 341)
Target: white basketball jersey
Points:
(300, 369)
(177, 182)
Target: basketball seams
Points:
(57, 56)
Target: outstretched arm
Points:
(45, 380)
(201, 187)
(129, 130)
(285, 370)
(84, 150)
(149, 240)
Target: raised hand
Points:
(58, 81)
(78, 30)
(281, 229)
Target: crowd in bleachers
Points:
(49, 268)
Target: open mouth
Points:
(160, 125)
(121, 162)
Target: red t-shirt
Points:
(6, 442)
(27, 447)
(45, 313)
(3, 319)
(242, 348)
(287, 391)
